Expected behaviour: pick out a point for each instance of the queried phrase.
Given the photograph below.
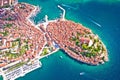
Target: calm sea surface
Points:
(102, 18)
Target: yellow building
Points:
(7, 2)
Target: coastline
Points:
(23, 70)
(63, 19)
(49, 54)
(35, 11)
(21, 73)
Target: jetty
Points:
(20, 71)
(63, 15)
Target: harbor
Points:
(21, 71)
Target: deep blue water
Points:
(105, 14)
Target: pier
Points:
(63, 15)
(21, 71)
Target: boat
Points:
(82, 73)
(61, 57)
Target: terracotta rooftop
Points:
(7, 2)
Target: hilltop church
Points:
(7, 2)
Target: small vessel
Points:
(61, 57)
(82, 73)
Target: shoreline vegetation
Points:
(27, 43)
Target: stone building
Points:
(7, 2)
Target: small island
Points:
(22, 43)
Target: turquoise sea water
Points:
(88, 13)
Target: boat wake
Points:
(96, 23)
(82, 73)
(68, 6)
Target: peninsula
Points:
(22, 43)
